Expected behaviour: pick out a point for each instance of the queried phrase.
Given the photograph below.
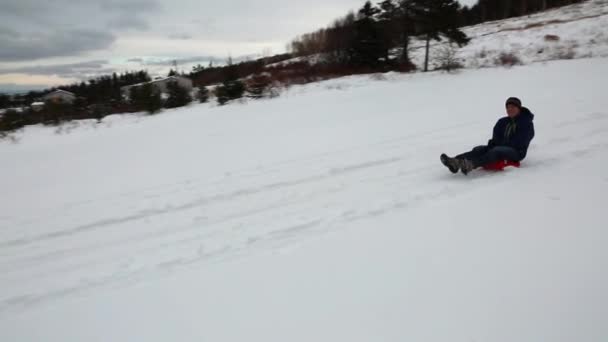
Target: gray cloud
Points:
(22, 8)
(12, 88)
(32, 16)
(180, 36)
(33, 30)
(127, 22)
(6, 32)
(188, 60)
(81, 71)
(129, 14)
(58, 69)
(130, 6)
(20, 47)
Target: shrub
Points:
(203, 94)
(11, 120)
(258, 86)
(508, 59)
(178, 96)
(447, 58)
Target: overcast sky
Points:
(45, 43)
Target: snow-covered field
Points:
(323, 215)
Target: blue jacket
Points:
(516, 133)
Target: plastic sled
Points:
(500, 165)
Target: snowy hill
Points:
(575, 31)
(323, 215)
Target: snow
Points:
(579, 28)
(322, 215)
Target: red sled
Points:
(500, 165)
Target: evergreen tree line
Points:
(204, 76)
(103, 89)
(487, 10)
(232, 87)
(365, 38)
(146, 97)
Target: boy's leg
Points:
(495, 154)
(476, 153)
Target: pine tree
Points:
(178, 96)
(203, 94)
(400, 15)
(197, 68)
(388, 18)
(232, 88)
(146, 97)
(438, 19)
(154, 102)
(4, 101)
(369, 45)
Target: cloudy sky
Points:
(45, 43)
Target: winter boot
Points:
(466, 166)
(451, 163)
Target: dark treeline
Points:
(487, 10)
(103, 89)
(106, 89)
(95, 99)
(202, 76)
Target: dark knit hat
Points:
(513, 101)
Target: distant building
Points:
(60, 96)
(37, 106)
(161, 84)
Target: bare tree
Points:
(447, 57)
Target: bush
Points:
(258, 86)
(11, 121)
(55, 113)
(178, 96)
(99, 111)
(564, 53)
(146, 97)
(203, 94)
(230, 90)
(508, 59)
(447, 58)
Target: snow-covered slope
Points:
(575, 31)
(569, 32)
(323, 215)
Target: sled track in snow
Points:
(215, 231)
